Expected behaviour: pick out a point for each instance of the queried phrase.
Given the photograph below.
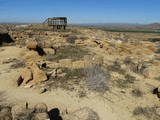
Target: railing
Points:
(56, 22)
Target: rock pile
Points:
(40, 112)
(23, 112)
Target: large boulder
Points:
(49, 51)
(47, 43)
(31, 56)
(38, 75)
(26, 75)
(52, 65)
(31, 43)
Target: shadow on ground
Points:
(54, 114)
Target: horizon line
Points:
(87, 23)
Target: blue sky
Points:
(81, 11)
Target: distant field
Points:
(128, 30)
(151, 28)
(135, 31)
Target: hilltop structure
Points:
(56, 22)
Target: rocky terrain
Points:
(78, 74)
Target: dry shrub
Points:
(137, 92)
(124, 83)
(116, 68)
(71, 39)
(148, 112)
(97, 79)
(17, 64)
(129, 79)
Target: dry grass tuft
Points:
(97, 79)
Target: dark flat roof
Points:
(58, 18)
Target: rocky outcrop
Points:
(21, 111)
(26, 75)
(31, 56)
(38, 75)
(31, 43)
